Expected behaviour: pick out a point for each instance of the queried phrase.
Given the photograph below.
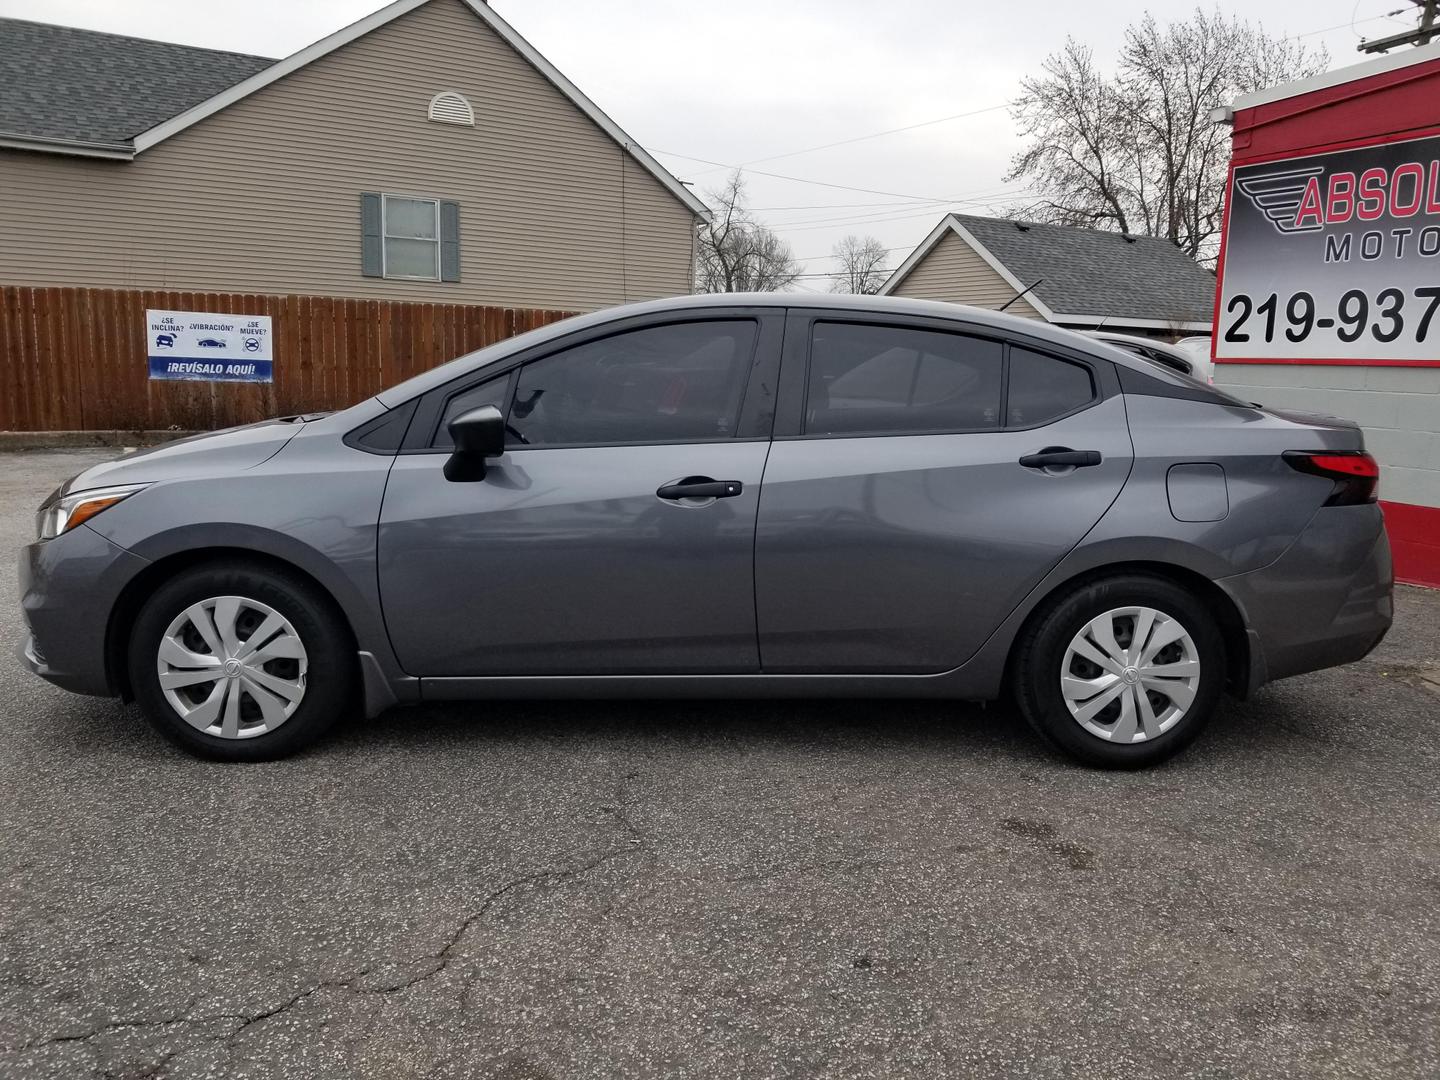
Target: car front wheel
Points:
(1121, 672)
(240, 663)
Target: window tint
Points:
(1043, 387)
(491, 392)
(880, 379)
(672, 383)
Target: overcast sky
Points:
(754, 81)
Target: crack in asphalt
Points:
(182, 1017)
(636, 842)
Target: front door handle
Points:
(701, 487)
(1053, 457)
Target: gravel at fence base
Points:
(11, 441)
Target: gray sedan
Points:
(727, 496)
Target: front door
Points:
(898, 526)
(615, 535)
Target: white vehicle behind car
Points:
(1199, 349)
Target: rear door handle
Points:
(701, 487)
(1058, 456)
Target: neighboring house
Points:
(425, 153)
(1079, 278)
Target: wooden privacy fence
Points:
(75, 359)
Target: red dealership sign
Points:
(1334, 258)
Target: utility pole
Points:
(1421, 35)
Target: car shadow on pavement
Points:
(949, 725)
(897, 730)
(995, 732)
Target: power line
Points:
(835, 206)
(972, 112)
(923, 211)
(922, 124)
(980, 195)
(916, 199)
(879, 134)
(858, 138)
(1351, 24)
(746, 165)
(885, 251)
(801, 179)
(834, 273)
(946, 119)
(907, 207)
(858, 221)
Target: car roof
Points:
(1001, 322)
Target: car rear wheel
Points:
(1121, 672)
(240, 663)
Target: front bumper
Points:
(69, 587)
(1327, 601)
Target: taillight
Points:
(1356, 475)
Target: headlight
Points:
(59, 515)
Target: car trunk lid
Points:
(1341, 432)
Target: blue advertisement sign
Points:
(201, 345)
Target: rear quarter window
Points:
(1044, 388)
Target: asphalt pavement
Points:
(722, 889)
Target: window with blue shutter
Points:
(372, 254)
(409, 238)
(449, 241)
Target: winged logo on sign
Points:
(1277, 195)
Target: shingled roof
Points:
(70, 91)
(68, 85)
(1084, 272)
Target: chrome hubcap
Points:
(232, 667)
(1130, 674)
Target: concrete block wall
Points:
(1398, 407)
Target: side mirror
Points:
(478, 434)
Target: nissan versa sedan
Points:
(727, 496)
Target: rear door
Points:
(588, 548)
(898, 525)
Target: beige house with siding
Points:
(425, 153)
(1083, 279)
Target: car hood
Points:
(215, 453)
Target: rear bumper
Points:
(1326, 601)
(68, 588)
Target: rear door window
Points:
(896, 380)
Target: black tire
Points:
(329, 682)
(1041, 651)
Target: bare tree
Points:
(862, 266)
(735, 252)
(1136, 151)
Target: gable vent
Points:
(451, 108)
